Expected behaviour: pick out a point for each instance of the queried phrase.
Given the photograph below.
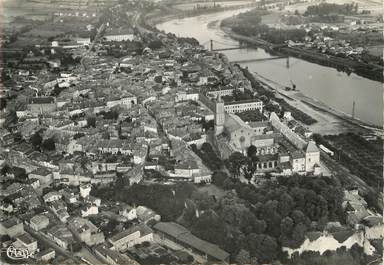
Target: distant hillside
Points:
(52, 5)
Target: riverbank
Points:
(341, 64)
(329, 120)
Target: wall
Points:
(375, 232)
(328, 242)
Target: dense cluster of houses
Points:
(107, 119)
(85, 127)
(328, 45)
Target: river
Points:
(325, 84)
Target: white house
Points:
(184, 96)
(39, 222)
(240, 106)
(119, 35)
(298, 162)
(85, 190)
(47, 254)
(187, 169)
(125, 101)
(89, 210)
(26, 241)
(128, 212)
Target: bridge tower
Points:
(353, 109)
(211, 43)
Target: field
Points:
(375, 6)
(191, 6)
(363, 158)
(376, 50)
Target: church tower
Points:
(312, 157)
(219, 116)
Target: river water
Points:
(324, 84)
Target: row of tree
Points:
(285, 211)
(248, 222)
(325, 9)
(39, 143)
(250, 24)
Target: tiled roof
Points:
(184, 235)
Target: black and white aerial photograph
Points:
(191, 132)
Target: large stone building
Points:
(39, 105)
(130, 237)
(120, 34)
(245, 105)
(278, 148)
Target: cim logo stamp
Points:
(17, 253)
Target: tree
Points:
(262, 246)
(298, 234)
(5, 169)
(36, 140)
(235, 161)
(3, 103)
(251, 150)
(259, 226)
(218, 178)
(286, 226)
(299, 217)
(286, 204)
(91, 121)
(19, 173)
(49, 144)
(208, 125)
(243, 257)
(206, 147)
(249, 168)
(156, 44)
(78, 135)
(209, 226)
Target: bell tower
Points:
(219, 116)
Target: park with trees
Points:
(249, 222)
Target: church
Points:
(278, 148)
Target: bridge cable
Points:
(226, 43)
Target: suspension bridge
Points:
(227, 46)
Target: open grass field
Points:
(376, 50)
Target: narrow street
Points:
(85, 54)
